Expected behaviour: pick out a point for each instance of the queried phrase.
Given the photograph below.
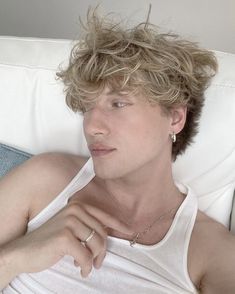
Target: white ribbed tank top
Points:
(143, 269)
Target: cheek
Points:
(137, 136)
(152, 134)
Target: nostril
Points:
(98, 133)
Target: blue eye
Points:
(119, 104)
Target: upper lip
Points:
(99, 146)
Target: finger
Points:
(81, 231)
(82, 256)
(108, 220)
(85, 261)
(92, 222)
(76, 263)
(83, 227)
(76, 209)
(85, 271)
(97, 262)
(98, 245)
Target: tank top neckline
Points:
(188, 198)
(80, 180)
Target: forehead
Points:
(106, 96)
(109, 92)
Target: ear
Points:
(178, 117)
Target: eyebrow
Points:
(112, 92)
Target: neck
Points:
(143, 199)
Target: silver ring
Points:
(91, 235)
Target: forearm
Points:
(7, 267)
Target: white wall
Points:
(210, 22)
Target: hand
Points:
(62, 235)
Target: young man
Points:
(119, 217)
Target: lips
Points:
(100, 149)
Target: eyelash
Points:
(115, 104)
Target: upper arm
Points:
(220, 272)
(14, 201)
(32, 184)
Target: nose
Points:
(95, 122)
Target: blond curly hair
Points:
(167, 69)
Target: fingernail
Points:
(83, 274)
(76, 263)
(97, 265)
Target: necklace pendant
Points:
(133, 242)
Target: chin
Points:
(115, 167)
(108, 171)
(107, 174)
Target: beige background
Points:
(209, 22)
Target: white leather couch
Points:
(34, 118)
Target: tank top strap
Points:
(179, 237)
(186, 216)
(84, 176)
(184, 220)
(81, 179)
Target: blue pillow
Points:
(11, 157)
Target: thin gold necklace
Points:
(149, 227)
(138, 235)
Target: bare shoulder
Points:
(217, 248)
(51, 174)
(54, 167)
(45, 168)
(37, 181)
(58, 162)
(30, 187)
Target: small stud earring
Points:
(173, 137)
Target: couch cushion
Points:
(11, 157)
(33, 113)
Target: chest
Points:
(124, 269)
(160, 234)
